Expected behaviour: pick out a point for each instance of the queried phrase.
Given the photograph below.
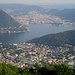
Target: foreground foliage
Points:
(42, 69)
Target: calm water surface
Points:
(35, 31)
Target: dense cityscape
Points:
(28, 54)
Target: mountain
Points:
(67, 14)
(21, 8)
(67, 37)
(7, 21)
(9, 24)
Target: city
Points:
(28, 54)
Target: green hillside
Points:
(67, 37)
(45, 69)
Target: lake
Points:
(36, 30)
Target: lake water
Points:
(35, 31)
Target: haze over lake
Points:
(36, 30)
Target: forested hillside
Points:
(67, 37)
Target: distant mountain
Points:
(67, 14)
(21, 8)
(59, 6)
(7, 21)
(67, 37)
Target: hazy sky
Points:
(37, 1)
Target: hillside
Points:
(67, 37)
(9, 24)
(7, 21)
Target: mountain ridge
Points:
(7, 21)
